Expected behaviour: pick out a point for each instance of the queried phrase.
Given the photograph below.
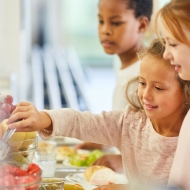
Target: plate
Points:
(67, 163)
(61, 158)
(79, 178)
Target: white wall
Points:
(9, 41)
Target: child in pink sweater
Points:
(146, 133)
(175, 17)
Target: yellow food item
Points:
(29, 139)
(17, 158)
(16, 139)
(17, 136)
(30, 135)
(72, 187)
(99, 175)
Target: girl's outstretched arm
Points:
(105, 128)
(26, 117)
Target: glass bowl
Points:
(52, 184)
(25, 157)
(23, 145)
(12, 178)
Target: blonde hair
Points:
(155, 49)
(175, 16)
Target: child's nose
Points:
(167, 55)
(106, 30)
(147, 94)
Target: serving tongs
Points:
(4, 145)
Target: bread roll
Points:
(99, 175)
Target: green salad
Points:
(85, 159)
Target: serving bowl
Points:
(19, 176)
(23, 144)
(25, 157)
(58, 184)
(22, 150)
(52, 184)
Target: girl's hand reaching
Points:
(26, 118)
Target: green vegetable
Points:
(81, 160)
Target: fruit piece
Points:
(8, 99)
(28, 140)
(6, 108)
(2, 115)
(1, 103)
(30, 135)
(33, 168)
(17, 158)
(16, 139)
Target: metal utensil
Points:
(4, 145)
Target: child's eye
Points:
(101, 22)
(116, 23)
(157, 88)
(173, 45)
(141, 83)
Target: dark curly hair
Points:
(141, 7)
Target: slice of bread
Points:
(99, 175)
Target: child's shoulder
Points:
(133, 115)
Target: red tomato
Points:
(20, 172)
(33, 168)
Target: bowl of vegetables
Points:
(18, 176)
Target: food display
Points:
(99, 175)
(85, 159)
(52, 184)
(58, 184)
(22, 144)
(64, 152)
(6, 108)
(68, 186)
(71, 156)
(17, 176)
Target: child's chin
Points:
(109, 51)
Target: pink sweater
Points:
(180, 172)
(146, 155)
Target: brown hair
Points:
(175, 16)
(155, 49)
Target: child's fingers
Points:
(22, 125)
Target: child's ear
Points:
(144, 22)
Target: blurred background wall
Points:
(51, 55)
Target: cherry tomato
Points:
(33, 168)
